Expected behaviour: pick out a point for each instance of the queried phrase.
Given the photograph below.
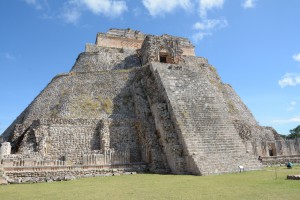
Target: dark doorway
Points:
(271, 152)
(163, 59)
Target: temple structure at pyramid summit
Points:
(134, 102)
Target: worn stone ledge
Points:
(65, 173)
(293, 177)
(74, 167)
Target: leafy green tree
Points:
(295, 133)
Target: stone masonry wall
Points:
(71, 140)
(275, 147)
(151, 150)
(208, 135)
(172, 48)
(121, 38)
(64, 173)
(167, 134)
(99, 59)
(99, 95)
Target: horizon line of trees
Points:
(294, 133)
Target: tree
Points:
(295, 133)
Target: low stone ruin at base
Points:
(137, 103)
(293, 177)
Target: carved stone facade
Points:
(165, 49)
(141, 103)
(121, 38)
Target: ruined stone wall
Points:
(64, 173)
(121, 38)
(69, 141)
(100, 95)
(172, 48)
(113, 42)
(275, 147)
(123, 137)
(99, 59)
(73, 140)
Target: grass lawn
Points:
(247, 185)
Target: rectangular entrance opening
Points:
(163, 59)
(271, 152)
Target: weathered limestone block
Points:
(5, 149)
(121, 38)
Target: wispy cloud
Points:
(37, 4)
(206, 5)
(289, 79)
(296, 57)
(295, 119)
(292, 106)
(207, 26)
(161, 7)
(72, 10)
(249, 4)
(109, 8)
(9, 56)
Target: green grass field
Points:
(247, 185)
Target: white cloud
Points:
(71, 15)
(295, 119)
(161, 7)
(207, 26)
(249, 4)
(292, 106)
(206, 5)
(289, 79)
(296, 57)
(200, 35)
(109, 8)
(73, 9)
(9, 56)
(37, 4)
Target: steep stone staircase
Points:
(209, 138)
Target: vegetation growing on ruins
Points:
(107, 106)
(248, 185)
(89, 104)
(231, 107)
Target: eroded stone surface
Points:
(138, 100)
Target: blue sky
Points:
(254, 44)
